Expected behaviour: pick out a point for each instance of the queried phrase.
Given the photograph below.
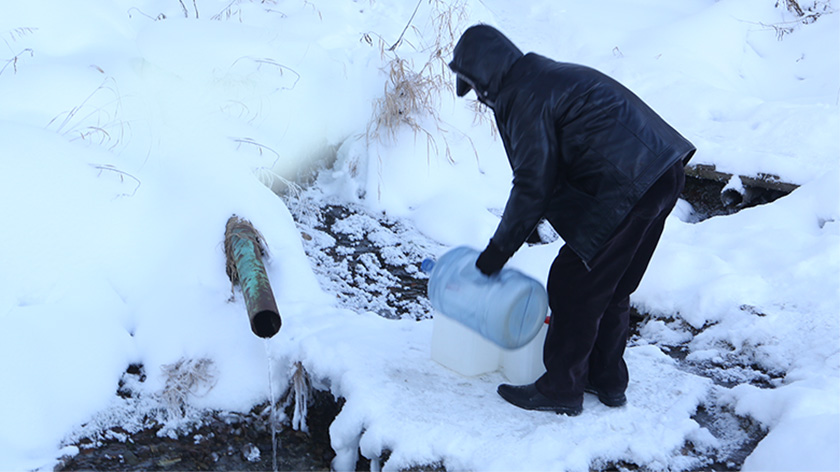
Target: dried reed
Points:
(184, 378)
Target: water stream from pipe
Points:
(271, 412)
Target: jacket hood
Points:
(481, 58)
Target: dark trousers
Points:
(590, 307)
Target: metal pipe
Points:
(244, 250)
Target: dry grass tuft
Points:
(408, 97)
(265, 173)
(122, 175)
(233, 10)
(13, 36)
(15, 59)
(184, 378)
(411, 96)
(96, 119)
(806, 12)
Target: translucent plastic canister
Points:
(507, 308)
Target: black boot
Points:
(613, 399)
(529, 398)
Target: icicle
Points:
(301, 385)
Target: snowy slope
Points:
(131, 130)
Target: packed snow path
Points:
(677, 416)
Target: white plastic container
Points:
(462, 350)
(459, 348)
(525, 365)
(507, 308)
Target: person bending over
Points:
(605, 171)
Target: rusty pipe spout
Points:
(243, 251)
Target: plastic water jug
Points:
(507, 308)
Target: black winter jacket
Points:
(582, 147)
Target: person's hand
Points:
(491, 260)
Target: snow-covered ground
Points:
(131, 130)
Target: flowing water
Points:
(271, 408)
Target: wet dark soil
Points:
(224, 441)
(370, 262)
(740, 435)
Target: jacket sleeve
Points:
(530, 143)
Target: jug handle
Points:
(472, 273)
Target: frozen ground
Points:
(131, 130)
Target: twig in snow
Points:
(394, 46)
(13, 61)
(160, 16)
(109, 167)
